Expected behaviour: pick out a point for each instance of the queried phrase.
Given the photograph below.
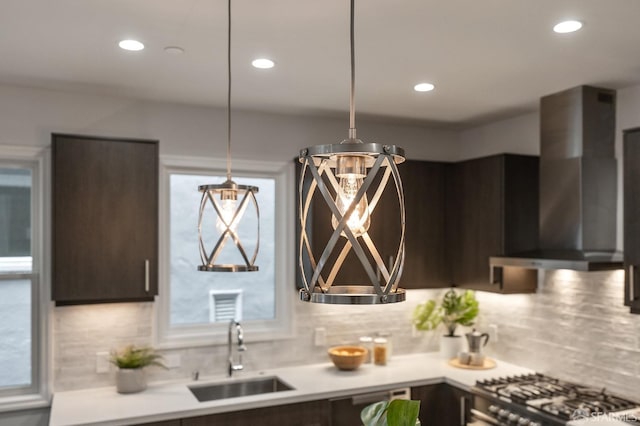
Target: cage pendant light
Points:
(223, 206)
(349, 178)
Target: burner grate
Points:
(558, 398)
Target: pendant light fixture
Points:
(350, 179)
(223, 206)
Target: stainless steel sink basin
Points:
(236, 388)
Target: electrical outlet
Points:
(320, 336)
(102, 362)
(493, 333)
(172, 360)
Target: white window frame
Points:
(281, 327)
(38, 394)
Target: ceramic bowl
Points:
(347, 357)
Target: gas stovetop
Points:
(559, 399)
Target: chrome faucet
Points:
(241, 347)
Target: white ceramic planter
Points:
(450, 346)
(131, 380)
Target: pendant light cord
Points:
(229, 90)
(352, 95)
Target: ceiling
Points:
(489, 59)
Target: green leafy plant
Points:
(136, 357)
(455, 309)
(399, 412)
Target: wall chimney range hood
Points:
(578, 184)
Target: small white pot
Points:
(450, 346)
(131, 380)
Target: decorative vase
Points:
(450, 346)
(131, 380)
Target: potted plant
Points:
(130, 376)
(455, 309)
(399, 412)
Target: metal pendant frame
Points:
(319, 161)
(210, 197)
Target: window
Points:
(195, 307)
(22, 293)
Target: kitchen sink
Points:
(233, 389)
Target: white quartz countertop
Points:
(172, 400)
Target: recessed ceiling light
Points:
(174, 50)
(567, 27)
(263, 63)
(133, 45)
(424, 87)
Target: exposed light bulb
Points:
(359, 219)
(351, 171)
(229, 203)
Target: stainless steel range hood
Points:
(578, 184)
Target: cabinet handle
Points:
(632, 283)
(495, 275)
(463, 411)
(146, 275)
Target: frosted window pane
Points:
(189, 288)
(15, 329)
(15, 212)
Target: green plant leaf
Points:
(455, 309)
(374, 414)
(136, 357)
(402, 412)
(427, 316)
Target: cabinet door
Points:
(442, 405)
(492, 210)
(314, 413)
(475, 217)
(425, 265)
(632, 218)
(105, 220)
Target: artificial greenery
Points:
(399, 412)
(455, 309)
(136, 357)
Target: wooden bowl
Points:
(347, 357)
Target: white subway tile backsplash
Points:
(575, 328)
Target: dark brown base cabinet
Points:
(492, 210)
(442, 405)
(105, 220)
(314, 413)
(631, 183)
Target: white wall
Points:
(517, 135)
(29, 116)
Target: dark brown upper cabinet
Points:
(492, 210)
(631, 184)
(105, 220)
(425, 263)
(425, 257)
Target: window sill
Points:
(23, 402)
